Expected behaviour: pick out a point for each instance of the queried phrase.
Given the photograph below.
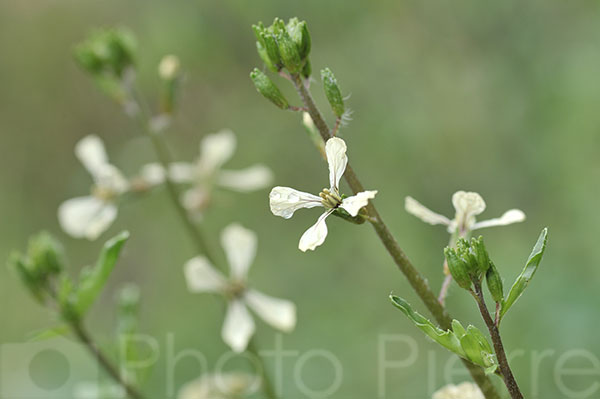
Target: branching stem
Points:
(416, 280)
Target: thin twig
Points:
(416, 280)
(509, 378)
(266, 384)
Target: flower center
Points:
(103, 193)
(235, 289)
(330, 198)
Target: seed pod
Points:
(494, 283)
(267, 88)
(332, 92)
(458, 268)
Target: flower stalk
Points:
(416, 280)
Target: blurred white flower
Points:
(239, 244)
(93, 390)
(215, 150)
(169, 67)
(467, 206)
(466, 390)
(220, 386)
(284, 201)
(89, 216)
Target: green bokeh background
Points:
(501, 98)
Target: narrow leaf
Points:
(445, 338)
(93, 280)
(527, 274)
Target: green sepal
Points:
(288, 51)
(267, 88)
(307, 70)
(527, 274)
(264, 56)
(332, 92)
(93, 281)
(342, 213)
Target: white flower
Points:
(92, 390)
(169, 67)
(466, 390)
(467, 205)
(284, 201)
(220, 386)
(239, 244)
(215, 150)
(89, 216)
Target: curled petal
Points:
(240, 248)
(201, 276)
(509, 217)
(419, 210)
(335, 148)
(238, 326)
(92, 154)
(353, 204)
(182, 172)
(279, 313)
(468, 203)
(249, 179)
(86, 217)
(315, 235)
(284, 201)
(108, 177)
(215, 150)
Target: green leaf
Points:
(445, 338)
(93, 281)
(47, 333)
(527, 274)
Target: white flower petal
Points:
(468, 203)
(419, 210)
(108, 177)
(335, 148)
(249, 179)
(153, 174)
(239, 244)
(238, 326)
(284, 201)
(86, 217)
(353, 204)
(215, 150)
(201, 276)
(92, 154)
(315, 235)
(182, 172)
(466, 390)
(195, 200)
(279, 313)
(509, 217)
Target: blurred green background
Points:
(496, 97)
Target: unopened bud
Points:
(332, 92)
(458, 268)
(483, 259)
(267, 88)
(288, 50)
(494, 283)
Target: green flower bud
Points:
(264, 56)
(109, 51)
(267, 88)
(298, 31)
(483, 259)
(458, 268)
(272, 49)
(466, 253)
(494, 283)
(46, 255)
(332, 92)
(33, 283)
(288, 50)
(258, 29)
(307, 70)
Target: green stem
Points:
(416, 280)
(266, 384)
(509, 378)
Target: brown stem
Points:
(416, 280)
(509, 378)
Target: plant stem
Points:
(509, 379)
(85, 338)
(266, 384)
(416, 280)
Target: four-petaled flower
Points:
(466, 390)
(215, 150)
(467, 205)
(239, 244)
(284, 201)
(89, 216)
